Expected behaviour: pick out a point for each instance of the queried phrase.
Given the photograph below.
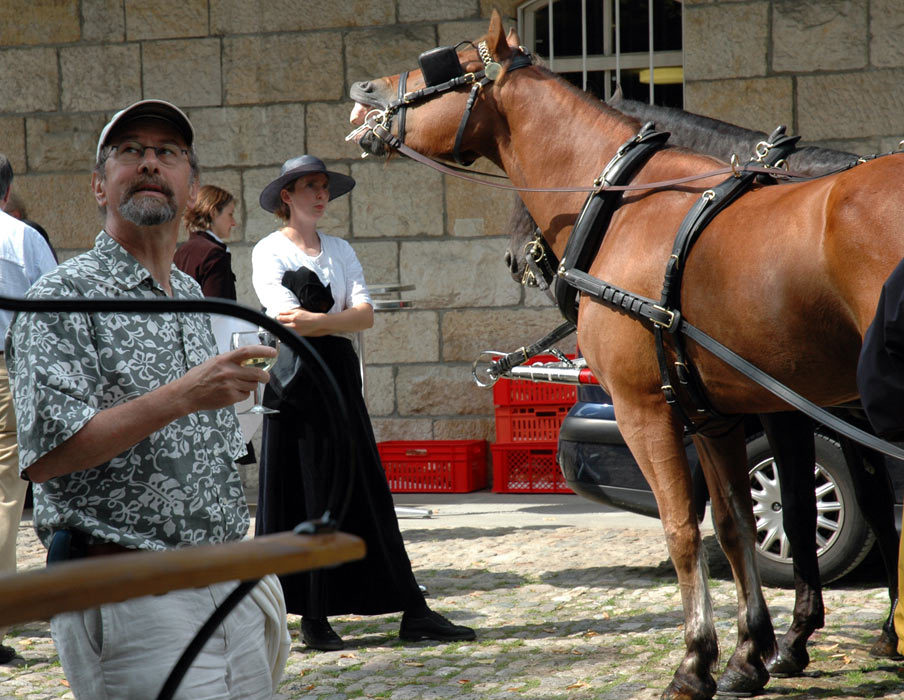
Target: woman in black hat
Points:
(313, 283)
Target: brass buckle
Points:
(672, 317)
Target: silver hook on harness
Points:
(490, 373)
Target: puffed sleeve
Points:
(267, 270)
(355, 287)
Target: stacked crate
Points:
(528, 417)
(434, 466)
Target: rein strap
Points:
(383, 133)
(642, 308)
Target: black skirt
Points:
(297, 472)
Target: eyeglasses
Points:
(132, 152)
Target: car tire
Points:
(844, 538)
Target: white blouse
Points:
(336, 265)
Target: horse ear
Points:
(617, 96)
(496, 43)
(512, 39)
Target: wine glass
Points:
(259, 337)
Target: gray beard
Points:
(147, 211)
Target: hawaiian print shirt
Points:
(179, 486)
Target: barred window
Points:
(600, 44)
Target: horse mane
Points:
(721, 139)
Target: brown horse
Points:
(790, 434)
(788, 276)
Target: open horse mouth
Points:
(368, 97)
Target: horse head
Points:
(440, 108)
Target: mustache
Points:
(143, 182)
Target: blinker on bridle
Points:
(442, 72)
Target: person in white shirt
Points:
(24, 257)
(313, 284)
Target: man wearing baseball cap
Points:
(126, 429)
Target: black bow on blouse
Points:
(306, 285)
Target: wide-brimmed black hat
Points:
(295, 168)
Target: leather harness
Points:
(665, 315)
(590, 228)
(704, 210)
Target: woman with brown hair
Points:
(205, 255)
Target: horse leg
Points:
(790, 436)
(875, 496)
(655, 439)
(724, 464)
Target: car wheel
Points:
(843, 537)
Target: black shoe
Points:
(7, 654)
(318, 634)
(432, 625)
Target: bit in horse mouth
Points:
(362, 135)
(369, 143)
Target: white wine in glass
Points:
(264, 363)
(259, 337)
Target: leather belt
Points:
(103, 549)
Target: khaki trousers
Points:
(12, 486)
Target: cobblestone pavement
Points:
(563, 609)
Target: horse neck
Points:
(556, 138)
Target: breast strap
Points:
(590, 228)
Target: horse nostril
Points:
(509, 260)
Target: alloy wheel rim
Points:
(771, 540)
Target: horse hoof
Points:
(787, 663)
(886, 647)
(681, 690)
(735, 684)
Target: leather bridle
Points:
(477, 80)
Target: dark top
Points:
(207, 260)
(880, 371)
(300, 477)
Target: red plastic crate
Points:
(521, 392)
(431, 466)
(524, 467)
(529, 423)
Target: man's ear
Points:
(193, 191)
(98, 186)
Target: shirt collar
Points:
(126, 272)
(215, 237)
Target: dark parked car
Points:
(597, 465)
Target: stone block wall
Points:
(832, 71)
(263, 81)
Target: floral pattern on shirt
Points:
(179, 486)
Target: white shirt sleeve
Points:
(38, 256)
(355, 287)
